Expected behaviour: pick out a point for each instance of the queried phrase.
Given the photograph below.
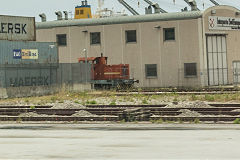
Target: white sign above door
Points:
(223, 23)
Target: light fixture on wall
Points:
(158, 27)
(51, 46)
(213, 11)
(85, 31)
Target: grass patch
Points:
(196, 121)
(77, 102)
(91, 102)
(193, 97)
(61, 101)
(144, 101)
(209, 97)
(113, 103)
(19, 120)
(53, 99)
(236, 121)
(32, 107)
(180, 120)
(123, 121)
(158, 121)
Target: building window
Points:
(190, 69)
(151, 70)
(169, 34)
(95, 38)
(61, 39)
(81, 11)
(131, 36)
(77, 12)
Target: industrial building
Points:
(184, 49)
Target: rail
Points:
(217, 112)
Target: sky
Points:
(32, 8)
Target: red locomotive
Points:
(107, 76)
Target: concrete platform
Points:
(119, 141)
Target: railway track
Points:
(229, 88)
(179, 93)
(214, 113)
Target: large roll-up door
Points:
(217, 60)
(236, 72)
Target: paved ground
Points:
(119, 141)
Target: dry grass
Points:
(108, 97)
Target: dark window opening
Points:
(190, 69)
(169, 34)
(131, 36)
(151, 70)
(95, 38)
(62, 39)
(81, 11)
(77, 12)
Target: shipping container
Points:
(2, 78)
(44, 74)
(30, 76)
(28, 52)
(17, 28)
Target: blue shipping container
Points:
(28, 52)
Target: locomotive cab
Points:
(107, 76)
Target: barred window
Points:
(151, 70)
(131, 36)
(95, 38)
(190, 69)
(61, 39)
(169, 34)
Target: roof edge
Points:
(220, 7)
(121, 20)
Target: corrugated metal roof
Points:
(120, 20)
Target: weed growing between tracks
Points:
(236, 121)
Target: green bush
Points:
(236, 121)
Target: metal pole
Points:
(86, 65)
